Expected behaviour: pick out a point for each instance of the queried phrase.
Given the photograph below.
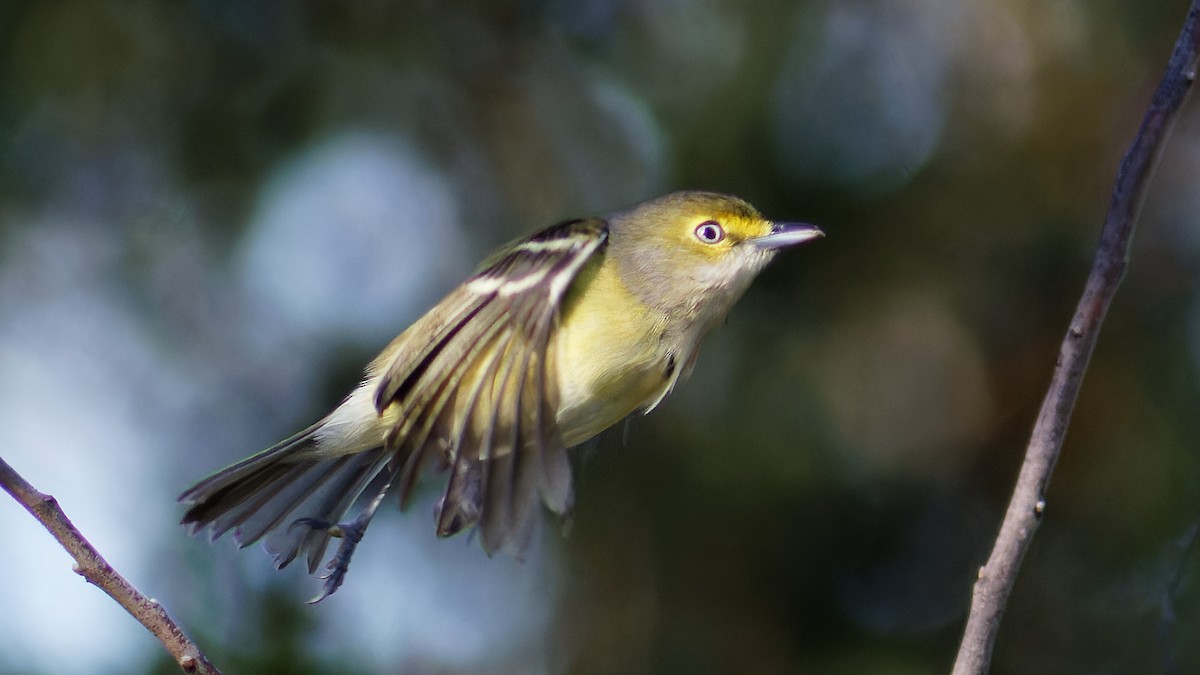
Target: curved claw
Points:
(337, 568)
(350, 533)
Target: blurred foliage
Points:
(819, 496)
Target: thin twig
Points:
(92, 566)
(997, 577)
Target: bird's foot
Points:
(350, 533)
(353, 530)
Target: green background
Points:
(213, 213)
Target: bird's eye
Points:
(710, 232)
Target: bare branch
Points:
(92, 566)
(998, 576)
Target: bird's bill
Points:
(787, 234)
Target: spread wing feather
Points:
(483, 390)
(471, 386)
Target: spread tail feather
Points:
(256, 495)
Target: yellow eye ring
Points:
(710, 232)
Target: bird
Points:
(555, 338)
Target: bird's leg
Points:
(350, 533)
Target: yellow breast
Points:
(608, 354)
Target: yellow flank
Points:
(610, 360)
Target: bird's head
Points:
(696, 251)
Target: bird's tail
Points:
(256, 495)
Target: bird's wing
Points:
(473, 384)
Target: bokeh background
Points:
(212, 213)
